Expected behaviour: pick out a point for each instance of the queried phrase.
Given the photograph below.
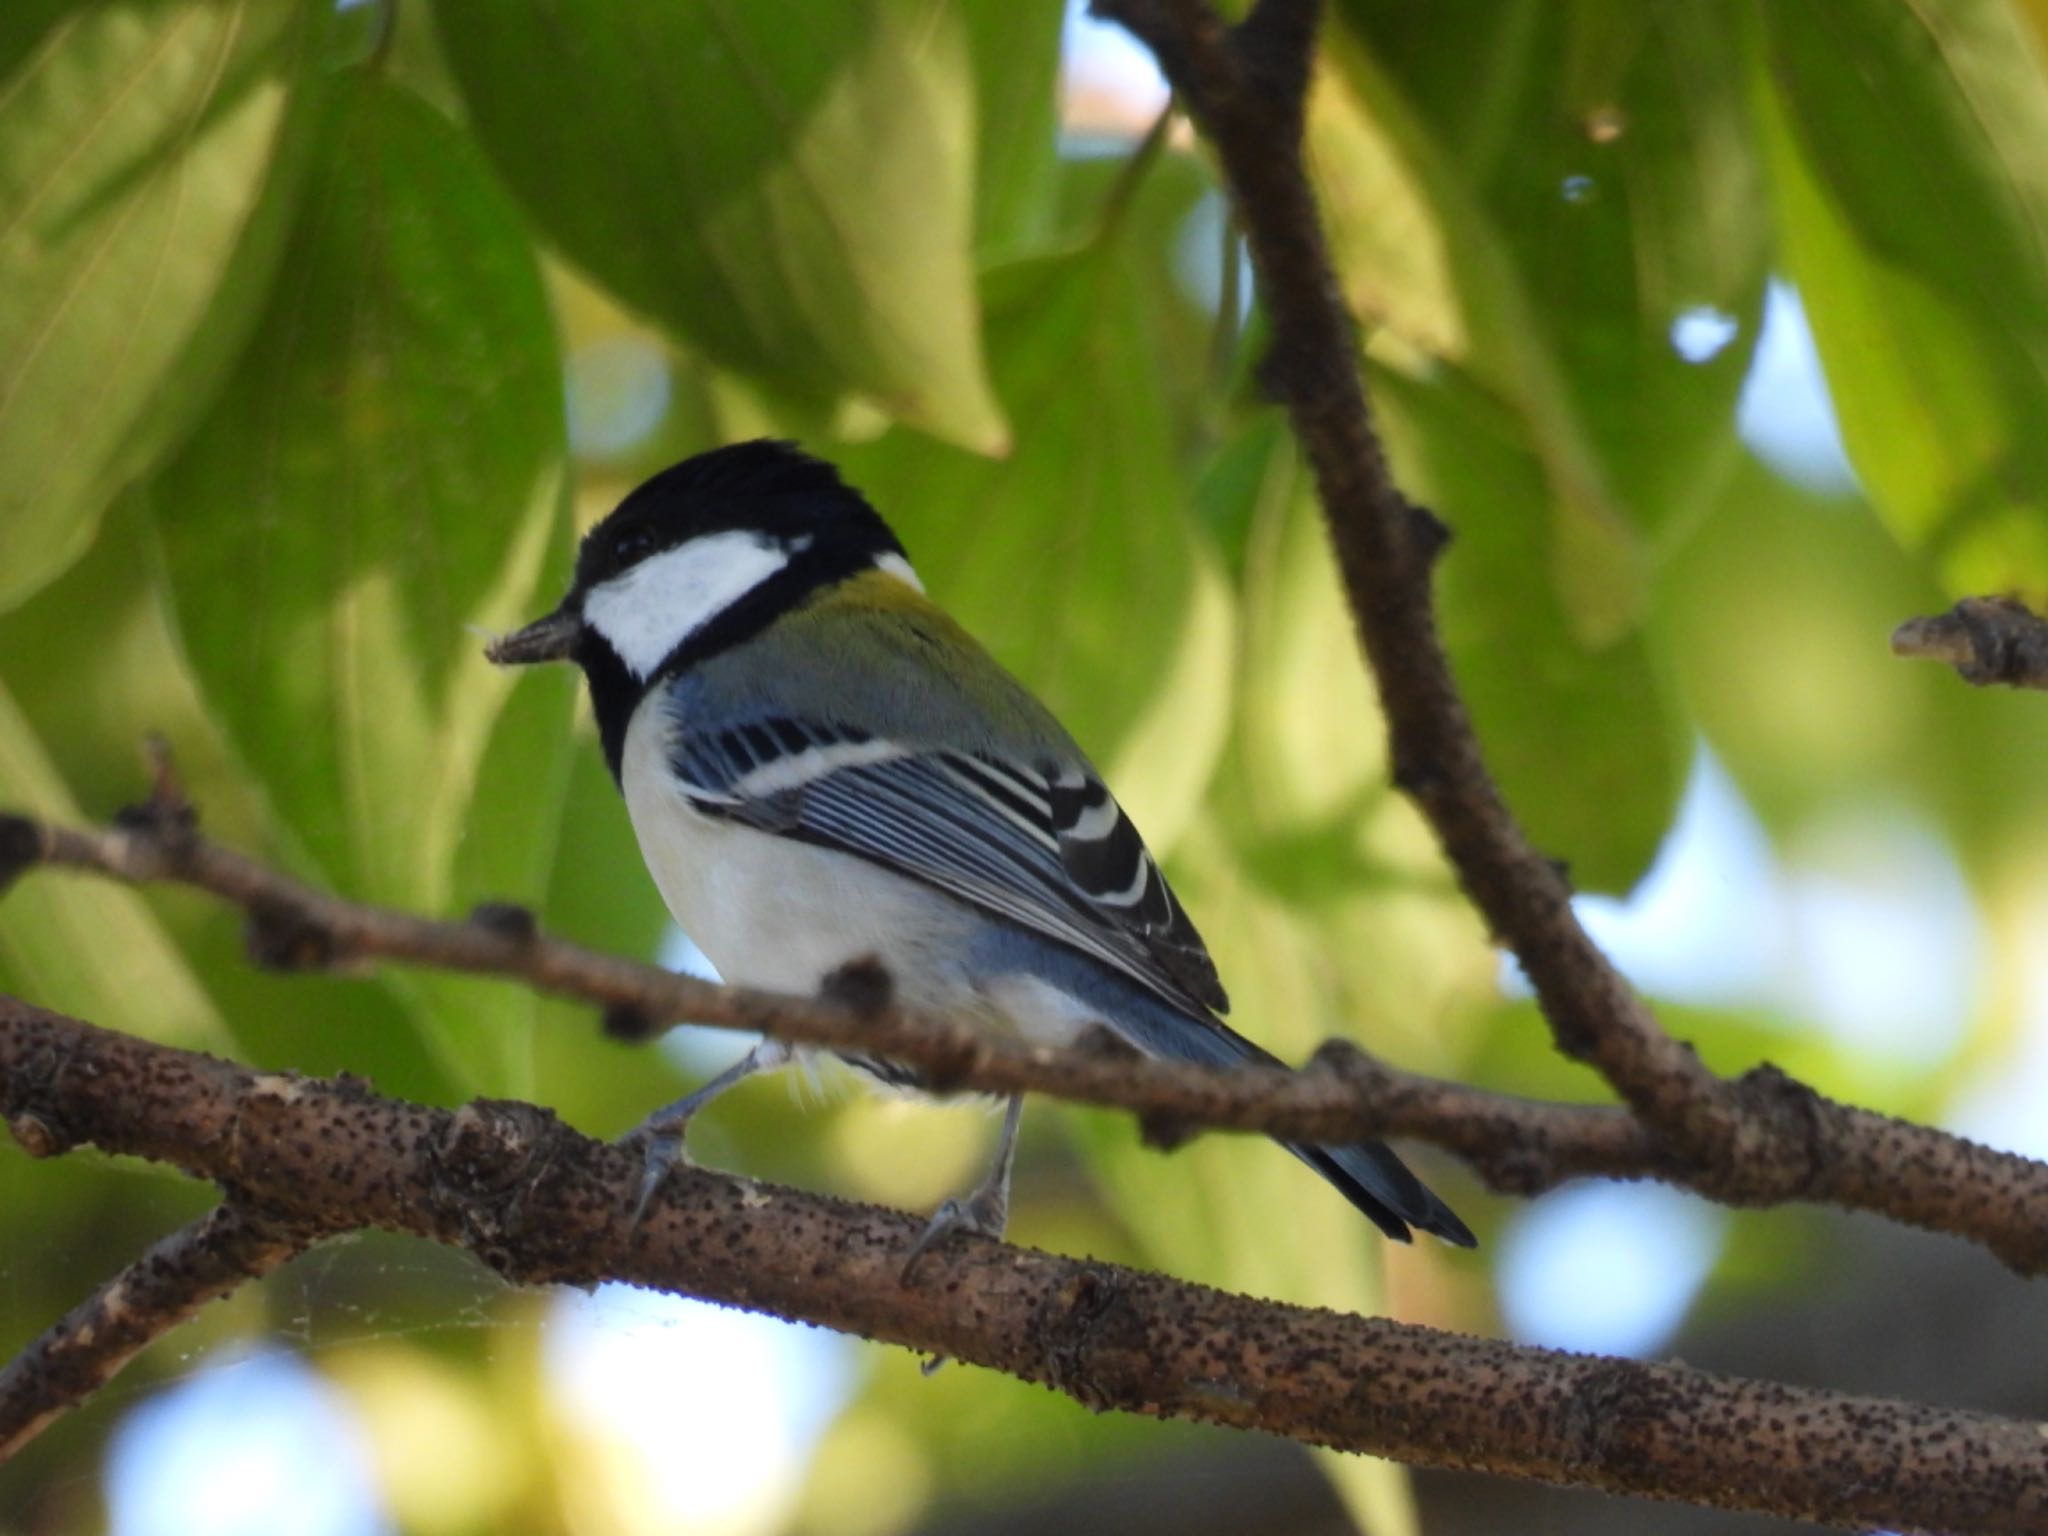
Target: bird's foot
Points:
(986, 1212)
(661, 1133)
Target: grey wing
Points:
(1042, 845)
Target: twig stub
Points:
(1988, 640)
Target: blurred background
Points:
(1718, 331)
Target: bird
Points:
(827, 775)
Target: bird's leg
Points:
(987, 1210)
(663, 1131)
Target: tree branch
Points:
(542, 1204)
(1818, 1149)
(91, 1343)
(1986, 639)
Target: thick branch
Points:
(91, 1343)
(1816, 1149)
(1247, 89)
(542, 1204)
(1986, 639)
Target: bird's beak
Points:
(550, 639)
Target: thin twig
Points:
(1988, 640)
(85, 1349)
(543, 1205)
(1816, 1150)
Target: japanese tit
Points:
(823, 770)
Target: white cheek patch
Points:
(895, 565)
(645, 613)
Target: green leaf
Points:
(87, 947)
(787, 185)
(1075, 560)
(511, 831)
(148, 164)
(1775, 623)
(1567, 181)
(1912, 195)
(1583, 739)
(1166, 216)
(1310, 740)
(600, 894)
(382, 477)
(123, 677)
(1014, 46)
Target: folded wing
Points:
(1042, 845)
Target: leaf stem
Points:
(1137, 165)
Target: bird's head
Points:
(704, 555)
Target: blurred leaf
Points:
(510, 835)
(788, 185)
(447, 1458)
(1582, 740)
(382, 476)
(600, 894)
(1585, 741)
(1958, 83)
(1166, 218)
(1014, 47)
(1775, 621)
(1309, 734)
(149, 160)
(124, 676)
(1234, 1211)
(1075, 560)
(1905, 148)
(1573, 180)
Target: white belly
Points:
(774, 913)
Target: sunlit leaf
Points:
(789, 186)
(1913, 198)
(148, 163)
(1387, 240)
(1578, 181)
(381, 479)
(1309, 732)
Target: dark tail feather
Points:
(1368, 1174)
(1372, 1178)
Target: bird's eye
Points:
(631, 545)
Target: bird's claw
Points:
(986, 1214)
(663, 1152)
